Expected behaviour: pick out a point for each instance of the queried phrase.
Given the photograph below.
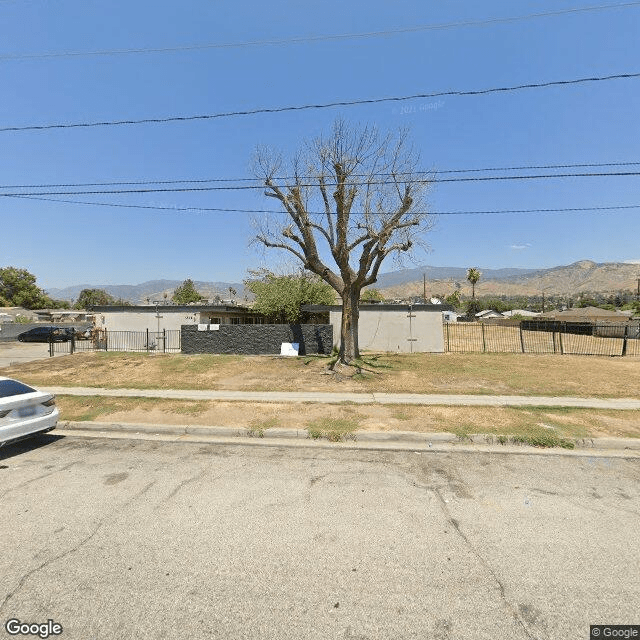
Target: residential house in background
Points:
(488, 314)
(170, 317)
(587, 314)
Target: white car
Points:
(24, 411)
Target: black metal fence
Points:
(166, 341)
(544, 337)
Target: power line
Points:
(288, 178)
(272, 211)
(328, 184)
(326, 105)
(312, 39)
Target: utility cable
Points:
(273, 211)
(289, 178)
(312, 39)
(328, 184)
(326, 105)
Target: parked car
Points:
(24, 411)
(46, 334)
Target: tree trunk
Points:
(349, 349)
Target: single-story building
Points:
(170, 317)
(17, 314)
(57, 316)
(396, 328)
(451, 316)
(521, 312)
(488, 314)
(587, 314)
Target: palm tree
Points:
(473, 275)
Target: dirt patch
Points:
(574, 423)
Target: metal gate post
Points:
(624, 340)
(484, 344)
(50, 346)
(521, 338)
(164, 340)
(147, 339)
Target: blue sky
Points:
(66, 244)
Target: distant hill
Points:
(152, 289)
(584, 275)
(386, 280)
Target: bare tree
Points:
(349, 200)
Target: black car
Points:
(46, 334)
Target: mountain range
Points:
(152, 289)
(582, 276)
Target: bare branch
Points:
(280, 245)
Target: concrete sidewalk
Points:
(357, 398)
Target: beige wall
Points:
(389, 331)
(143, 320)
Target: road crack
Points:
(25, 577)
(456, 525)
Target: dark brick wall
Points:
(257, 339)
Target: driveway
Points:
(17, 352)
(151, 539)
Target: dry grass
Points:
(475, 373)
(340, 421)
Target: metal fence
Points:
(166, 341)
(544, 337)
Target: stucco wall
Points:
(389, 331)
(257, 339)
(143, 320)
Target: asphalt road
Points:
(142, 539)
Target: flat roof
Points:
(312, 308)
(171, 307)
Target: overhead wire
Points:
(325, 105)
(432, 172)
(313, 39)
(328, 184)
(274, 211)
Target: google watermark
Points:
(407, 109)
(598, 631)
(15, 627)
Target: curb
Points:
(423, 440)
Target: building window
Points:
(215, 321)
(236, 320)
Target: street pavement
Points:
(153, 539)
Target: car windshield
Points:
(13, 388)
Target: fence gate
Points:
(165, 341)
